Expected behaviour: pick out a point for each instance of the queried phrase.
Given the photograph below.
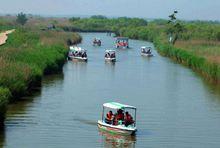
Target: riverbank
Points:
(207, 68)
(26, 57)
(199, 51)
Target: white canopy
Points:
(113, 51)
(144, 47)
(115, 105)
(75, 48)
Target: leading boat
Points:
(118, 126)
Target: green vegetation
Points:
(175, 28)
(21, 18)
(102, 24)
(4, 99)
(29, 54)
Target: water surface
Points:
(176, 108)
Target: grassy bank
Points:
(201, 53)
(209, 69)
(27, 56)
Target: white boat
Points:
(110, 56)
(77, 53)
(146, 51)
(119, 128)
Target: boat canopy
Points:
(115, 105)
(110, 51)
(144, 47)
(122, 38)
(74, 48)
(97, 39)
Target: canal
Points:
(176, 107)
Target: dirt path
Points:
(4, 37)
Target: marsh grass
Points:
(28, 55)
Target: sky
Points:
(188, 9)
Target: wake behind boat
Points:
(118, 123)
(77, 53)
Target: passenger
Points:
(80, 54)
(120, 115)
(149, 51)
(128, 119)
(76, 53)
(83, 55)
(109, 117)
(113, 55)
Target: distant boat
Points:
(77, 53)
(110, 56)
(119, 127)
(146, 51)
(97, 42)
(121, 42)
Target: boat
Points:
(97, 42)
(77, 53)
(110, 56)
(146, 51)
(120, 127)
(121, 42)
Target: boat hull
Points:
(147, 55)
(78, 59)
(110, 59)
(116, 129)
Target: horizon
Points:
(188, 10)
(109, 17)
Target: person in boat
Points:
(118, 117)
(109, 117)
(107, 55)
(112, 56)
(148, 51)
(128, 119)
(84, 55)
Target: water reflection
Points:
(2, 136)
(114, 140)
(19, 113)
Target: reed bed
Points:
(26, 57)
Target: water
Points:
(176, 108)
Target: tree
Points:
(73, 19)
(21, 18)
(98, 17)
(175, 28)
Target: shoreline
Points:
(15, 85)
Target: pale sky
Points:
(188, 9)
